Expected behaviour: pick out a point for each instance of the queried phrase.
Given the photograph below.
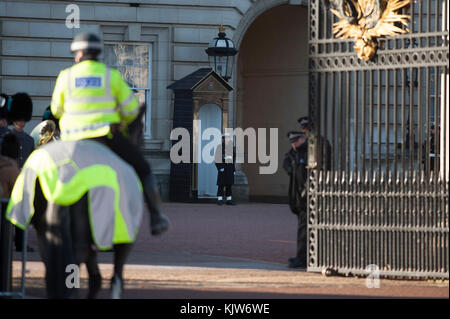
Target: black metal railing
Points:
(6, 255)
(399, 223)
(384, 199)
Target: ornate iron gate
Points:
(383, 202)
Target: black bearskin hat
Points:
(21, 108)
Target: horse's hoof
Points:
(116, 287)
(95, 285)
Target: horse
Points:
(65, 236)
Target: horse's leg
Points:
(58, 250)
(38, 220)
(121, 252)
(46, 234)
(83, 244)
(95, 277)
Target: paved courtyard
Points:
(226, 252)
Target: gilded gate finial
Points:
(375, 18)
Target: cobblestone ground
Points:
(225, 252)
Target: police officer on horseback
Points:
(92, 101)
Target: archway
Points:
(272, 87)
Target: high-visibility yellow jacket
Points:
(66, 170)
(90, 96)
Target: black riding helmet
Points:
(88, 42)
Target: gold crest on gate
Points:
(366, 20)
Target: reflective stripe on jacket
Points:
(88, 97)
(66, 171)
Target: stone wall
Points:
(34, 47)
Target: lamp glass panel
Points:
(221, 43)
(221, 65)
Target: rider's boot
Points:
(158, 222)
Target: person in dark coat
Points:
(225, 170)
(19, 113)
(294, 164)
(9, 170)
(10, 147)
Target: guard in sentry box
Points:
(224, 158)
